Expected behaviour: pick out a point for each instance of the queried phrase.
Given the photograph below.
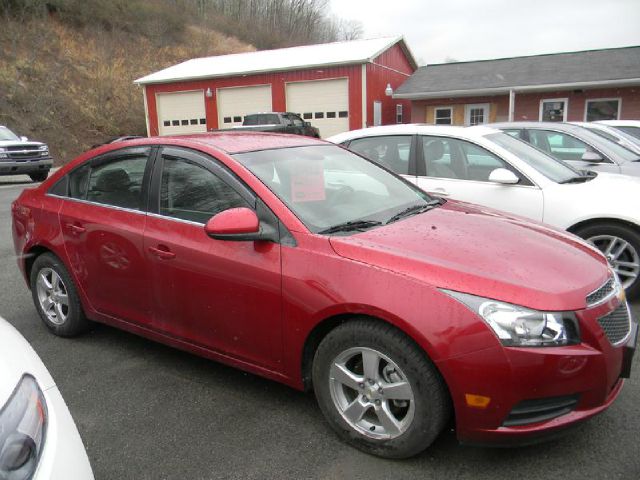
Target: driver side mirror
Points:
(24, 139)
(239, 224)
(503, 176)
(592, 157)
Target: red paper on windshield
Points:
(307, 184)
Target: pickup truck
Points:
(278, 122)
(20, 156)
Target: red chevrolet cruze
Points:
(300, 261)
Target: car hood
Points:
(17, 358)
(479, 251)
(18, 143)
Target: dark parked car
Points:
(575, 145)
(300, 261)
(278, 122)
(20, 156)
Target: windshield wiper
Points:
(414, 210)
(351, 226)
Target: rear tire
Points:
(39, 176)
(55, 297)
(623, 254)
(392, 407)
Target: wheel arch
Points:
(325, 326)
(30, 257)
(600, 220)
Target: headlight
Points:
(518, 326)
(23, 423)
(43, 148)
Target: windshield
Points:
(551, 168)
(326, 186)
(6, 134)
(608, 147)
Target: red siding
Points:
(391, 67)
(527, 105)
(277, 80)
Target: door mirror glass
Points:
(24, 139)
(503, 176)
(234, 224)
(593, 157)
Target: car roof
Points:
(415, 129)
(562, 126)
(231, 142)
(620, 123)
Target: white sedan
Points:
(485, 166)
(38, 438)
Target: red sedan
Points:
(300, 261)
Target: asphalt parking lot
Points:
(146, 411)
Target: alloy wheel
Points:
(52, 296)
(371, 393)
(622, 256)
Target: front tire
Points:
(39, 176)
(378, 390)
(621, 245)
(56, 297)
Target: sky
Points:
(444, 30)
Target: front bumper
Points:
(19, 167)
(591, 374)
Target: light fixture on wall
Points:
(209, 93)
(388, 91)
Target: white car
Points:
(631, 127)
(38, 438)
(485, 166)
(613, 134)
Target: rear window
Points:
(262, 119)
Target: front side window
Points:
(553, 110)
(443, 116)
(391, 152)
(325, 185)
(116, 182)
(602, 109)
(559, 145)
(296, 120)
(635, 131)
(191, 192)
(458, 159)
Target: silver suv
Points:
(20, 156)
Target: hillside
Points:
(67, 66)
(72, 86)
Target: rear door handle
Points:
(75, 228)
(162, 252)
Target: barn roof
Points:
(613, 66)
(293, 58)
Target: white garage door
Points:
(324, 103)
(181, 112)
(236, 102)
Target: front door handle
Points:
(441, 192)
(162, 252)
(75, 228)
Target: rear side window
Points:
(392, 152)
(118, 182)
(191, 192)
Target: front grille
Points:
(540, 410)
(601, 293)
(617, 324)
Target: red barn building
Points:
(336, 86)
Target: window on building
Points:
(553, 109)
(343, 114)
(307, 115)
(399, 114)
(331, 114)
(602, 109)
(443, 116)
(319, 115)
(476, 114)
